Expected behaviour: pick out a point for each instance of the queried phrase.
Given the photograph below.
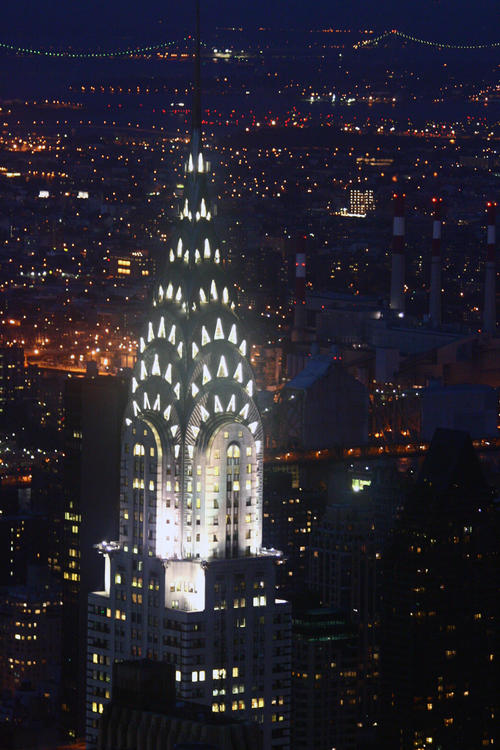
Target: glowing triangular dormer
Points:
(194, 390)
(203, 296)
(161, 328)
(190, 163)
(178, 296)
(232, 403)
(144, 372)
(134, 385)
(179, 349)
(249, 388)
(217, 405)
(233, 336)
(244, 411)
(156, 366)
(213, 290)
(197, 256)
(151, 334)
(171, 256)
(206, 249)
(205, 338)
(219, 332)
(177, 390)
(161, 293)
(179, 246)
(166, 413)
(176, 450)
(142, 345)
(196, 431)
(128, 421)
(146, 401)
(171, 336)
(206, 375)
(204, 413)
(136, 408)
(190, 451)
(222, 369)
(225, 295)
(253, 426)
(203, 208)
(173, 430)
(170, 291)
(217, 256)
(200, 162)
(168, 373)
(194, 349)
(156, 405)
(238, 373)
(243, 348)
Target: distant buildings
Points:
(12, 380)
(321, 407)
(361, 201)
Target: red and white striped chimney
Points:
(490, 281)
(397, 300)
(299, 315)
(435, 294)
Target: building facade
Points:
(188, 581)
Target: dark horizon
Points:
(84, 23)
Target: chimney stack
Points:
(299, 314)
(490, 281)
(397, 300)
(435, 294)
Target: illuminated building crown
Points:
(192, 398)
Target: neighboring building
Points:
(93, 413)
(344, 560)
(321, 407)
(188, 582)
(324, 681)
(30, 637)
(440, 625)
(144, 712)
(290, 517)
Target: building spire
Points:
(196, 106)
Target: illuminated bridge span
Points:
(424, 42)
(154, 49)
(367, 452)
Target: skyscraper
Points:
(439, 655)
(188, 581)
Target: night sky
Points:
(106, 22)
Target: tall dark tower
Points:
(440, 626)
(188, 581)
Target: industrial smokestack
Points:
(435, 295)
(490, 281)
(397, 300)
(299, 314)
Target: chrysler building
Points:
(188, 581)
